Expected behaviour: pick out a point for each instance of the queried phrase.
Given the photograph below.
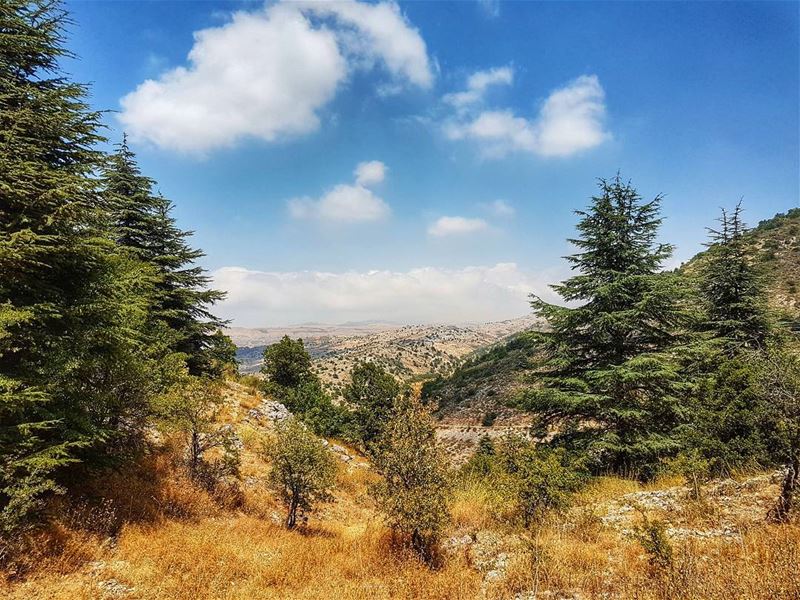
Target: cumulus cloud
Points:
(382, 34)
(268, 74)
(346, 203)
(427, 294)
(370, 173)
(500, 208)
(477, 84)
(447, 226)
(571, 119)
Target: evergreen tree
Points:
(72, 374)
(732, 288)
(610, 382)
(142, 223)
(732, 424)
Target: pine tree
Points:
(610, 383)
(142, 224)
(71, 375)
(732, 288)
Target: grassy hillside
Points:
(150, 533)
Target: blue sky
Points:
(421, 162)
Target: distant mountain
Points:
(408, 352)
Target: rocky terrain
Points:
(407, 352)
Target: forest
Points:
(125, 426)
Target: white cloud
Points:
(500, 208)
(570, 120)
(268, 74)
(491, 8)
(343, 204)
(446, 226)
(427, 294)
(370, 172)
(346, 203)
(477, 84)
(382, 34)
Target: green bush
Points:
(414, 491)
(302, 470)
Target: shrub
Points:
(652, 535)
(489, 418)
(372, 393)
(691, 465)
(540, 480)
(415, 488)
(303, 471)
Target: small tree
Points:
(192, 407)
(372, 393)
(303, 471)
(286, 363)
(415, 487)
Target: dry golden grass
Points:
(150, 534)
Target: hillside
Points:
(154, 535)
(407, 352)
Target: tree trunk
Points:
(291, 516)
(783, 510)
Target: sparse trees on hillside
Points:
(610, 378)
(414, 490)
(302, 469)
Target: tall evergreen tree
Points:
(609, 383)
(732, 288)
(143, 224)
(71, 377)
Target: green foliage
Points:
(76, 370)
(287, 366)
(691, 465)
(538, 479)
(484, 461)
(302, 471)
(286, 363)
(780, 385)
(192, 408)
(652, 535)
(610, 376)
(732, 288)
(142, 224)
(372, 393)
(415, 485)
(731, 423)
(314, 407)
(220, 356)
